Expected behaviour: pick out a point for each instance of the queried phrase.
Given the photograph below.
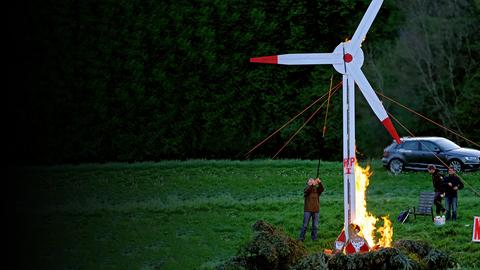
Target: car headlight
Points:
(471, 158)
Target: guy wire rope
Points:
(304, 124)
(289, 121)
(324, 130)
(428, 119)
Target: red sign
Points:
(476, 229)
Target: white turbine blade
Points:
(364, 25)
(368, 92)
(310, 58)
(373, 101)
(300, 59)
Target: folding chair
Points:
(425, 204)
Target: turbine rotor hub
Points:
(349, 59)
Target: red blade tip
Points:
(389, 126)
(273, 59)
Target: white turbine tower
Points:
(347, 59)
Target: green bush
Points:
(316, 261)
(270, 248)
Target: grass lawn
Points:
(195, 214)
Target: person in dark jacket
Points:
(437, 181)
(311, 207)
(452, 184)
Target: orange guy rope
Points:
(326, 112)
(428, 119)
(289, 121)
(304, 124)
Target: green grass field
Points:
(195, 214)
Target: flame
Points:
(363, 218)
(386, 232)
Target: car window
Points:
(410, 146)
(447, 145)
(391, 147)
(428, 146)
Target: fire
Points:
(363, 218)
(386, 232)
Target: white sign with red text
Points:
(348, 163)
(476, 229)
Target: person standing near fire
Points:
(311, 207)
(438, 186)
(452, 184)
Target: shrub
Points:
(316, 261)
(270, 248)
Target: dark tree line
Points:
(118, 80)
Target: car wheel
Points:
(456, 164)
(396, 166)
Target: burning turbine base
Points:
(363, 229)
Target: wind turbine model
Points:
(347, 59)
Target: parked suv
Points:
(416, 153)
